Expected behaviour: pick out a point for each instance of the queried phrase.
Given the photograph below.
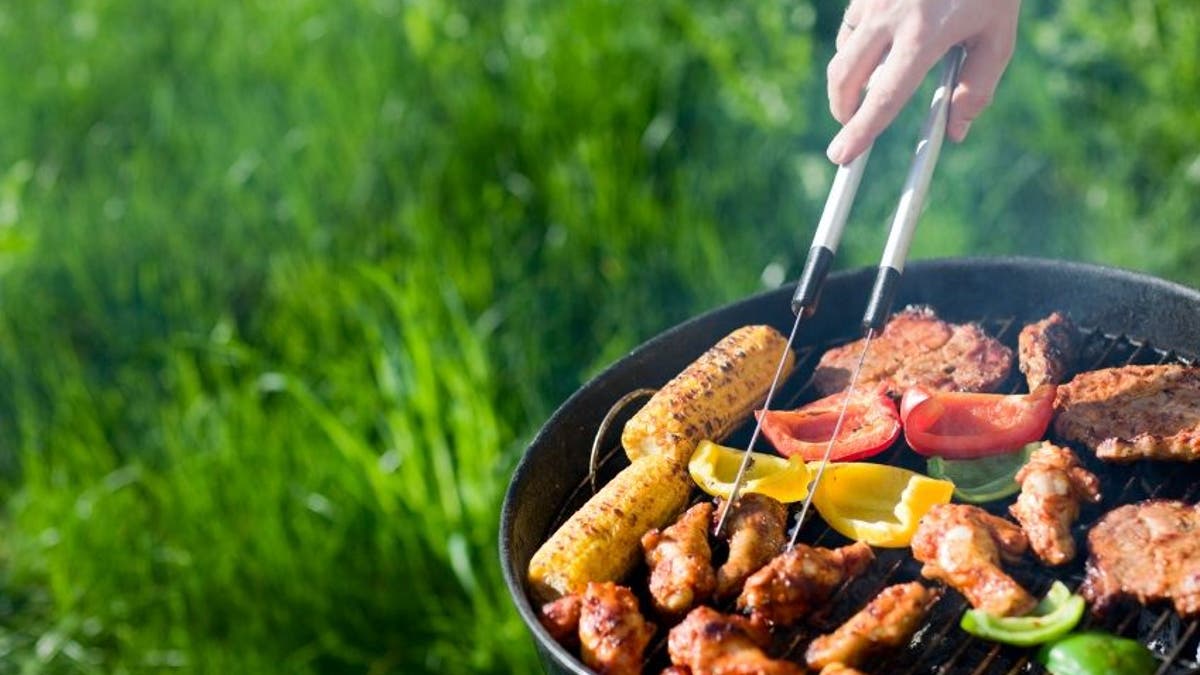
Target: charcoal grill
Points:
(1127, 318)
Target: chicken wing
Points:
(710, 643)
(756, 528)
(561, 619)
(797, 581)
(680, 562)
(1052, 485)
(889, 620)
(962, 545)
(612, 633)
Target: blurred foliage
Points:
(287, 285)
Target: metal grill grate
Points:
(940, 646)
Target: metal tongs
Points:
(824, 246)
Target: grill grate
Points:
(940, 646)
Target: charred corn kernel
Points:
(710, 397)
(602, 540)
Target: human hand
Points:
(910, 36)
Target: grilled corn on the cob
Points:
(601, 541)
(710, 397)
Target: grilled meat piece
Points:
(710, 643)
(757, 532)
(612, 633)
(1052, 486)
(1148, 551)
(561, 619)
(680, 562)
(914, 348)
(676, 670)
(840, 669)
(1047, 350)
(1133, 412)
(797, 581)
(962, 545)
(888, 621)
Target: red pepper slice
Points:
(872, 424)
(958, 425)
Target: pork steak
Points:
(918, 348)
(1047, 350)
(1133, 412)
(1148, 551)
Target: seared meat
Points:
(757, 532)
(1133, 412)
(1052, 486)
(561, 619)
(799, 580)
(680, 562)
(710, 643)
(1047, 350)
(962, 546)
(888, 621)
(840, 669)
(916, 347)
(676, 670)
(612, 633)
(1148, 551)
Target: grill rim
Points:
(1129, 303)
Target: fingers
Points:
(891, 87)
(980, 74)
(851, 67)
(844, 33)
(916, 40)
(850, 20)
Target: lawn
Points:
(287, 286)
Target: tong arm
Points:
(912, 198)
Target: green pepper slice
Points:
(1096, 653)
(1053, 618)
(985, 479)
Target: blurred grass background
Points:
(286, 286)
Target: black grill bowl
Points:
(1127, 317)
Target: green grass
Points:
(287, 286)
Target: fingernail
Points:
(837, 149)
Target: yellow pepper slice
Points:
(875, 503)
(715, 467)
